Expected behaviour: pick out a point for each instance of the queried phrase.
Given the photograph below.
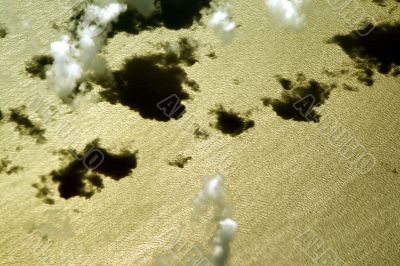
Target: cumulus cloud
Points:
(226, 231)
(221, 22)
(66, 70)
(213, 193)
(289, 13)
(74, 57)
(76, 54)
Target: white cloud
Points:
(74, 59)
(289, 12)
(213, 193)
(221, 22)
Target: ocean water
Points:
(199, 132)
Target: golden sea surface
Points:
(285, 179)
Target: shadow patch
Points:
(348, 87)
(200, 133)
(383, 2)
(3, 31)
(299, 99)
(152, 85)
(83, 173)
(212, 55)
(378, 51)
(6, 167)
(361, 73)
(173, 14)
(38, 65)
(133, 23)
(25, 126)
(230, 122)
(178, 14)
(180, 161)
(336, 73)
(285, 83)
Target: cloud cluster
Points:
(213, 193)
(226, 231)
(75, 57)
(221, 22)
(289, 13)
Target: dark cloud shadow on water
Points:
(200, 133)
(177, 14)
(384, 2)
(377, 51)
(299, 98)
(145, 81)
(180, 161)
(83, 172)
(133, 23)
(173, 14)
(7, 167)
(230, 122)
(3, 30)
(24, 124)
(38, 65)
